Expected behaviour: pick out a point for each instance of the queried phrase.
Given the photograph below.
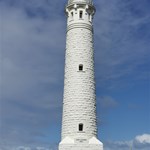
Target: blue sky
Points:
(32, 50)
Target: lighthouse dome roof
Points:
(90, 2)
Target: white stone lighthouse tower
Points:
(79, 125)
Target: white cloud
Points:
(6, 147)
(32, 75)
(141, 142)
(117, 145)
(29, 52)
(23, 148)
(123, 47)
(42, 148)
(145, 138)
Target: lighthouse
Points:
(79, 122)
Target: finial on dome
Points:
(89, 2)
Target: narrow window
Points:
(89, 16)
(71, 14)
(80, 67)
(81, 14)
(80, 127)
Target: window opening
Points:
(80, 127)
(80, 67)
(88, 16)
(81, 14)
(72, 14)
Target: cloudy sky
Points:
(32, 49)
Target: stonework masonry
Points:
(79, 126)
(79, 95)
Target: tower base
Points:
(80, 144)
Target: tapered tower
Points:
(79, 125)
